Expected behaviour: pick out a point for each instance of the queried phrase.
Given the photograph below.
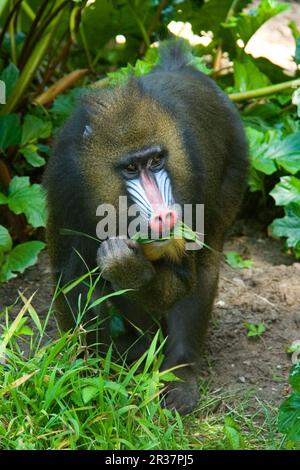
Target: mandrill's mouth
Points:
(173, 246)
(173, 249)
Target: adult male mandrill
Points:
(170, 137)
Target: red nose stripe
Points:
(151, 190)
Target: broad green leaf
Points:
(115, 17)
(5, 239)
(291, 348)
(21, 323)
(258, 148)
(232, 433)
(18, 182)
(121, 76)
(296, 100)
(294, 378)
(152, 55)
(256, 122)
(142, 68)
(27, 199)
(263, 112)
(210, 15)
(269, 150)
(20, 258)
(88, 393)
(25, 330)
(31, 155)
(10, 77)
(64, 105)
(234, 259)
(10, 131)
(44, 148)
(255, 329)
(247, 23)
(168, 376)
(297, 51)
(286, 191)
(3, 199)
(286, 152)
(116, 387)
(35, 128)
(289, 417)
(256, 180)
(289, 227)
(271, 70)
(200, 65)
(247, 76)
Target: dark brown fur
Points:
(184, 112)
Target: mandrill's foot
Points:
(182, 396)
(122, 263)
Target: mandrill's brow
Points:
(139, 156)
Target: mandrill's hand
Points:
(122, 263)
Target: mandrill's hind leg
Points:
(187, 324)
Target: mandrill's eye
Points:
(131, 168)
(157, 162)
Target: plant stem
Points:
(86, 47)
(30, 13)
(268, 90)
(155, 20)
(4, 174)
(8, 19)
(32, 29)
(140, 24)
(13, 39)
(59, 87)
(231, 10)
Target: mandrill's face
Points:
(149, 186)
(135, 148)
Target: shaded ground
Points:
(267, 293)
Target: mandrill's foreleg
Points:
(187, 324)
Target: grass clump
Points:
(59, 395)
(62, 397)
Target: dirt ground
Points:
(267, 293)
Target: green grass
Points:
(61, 396)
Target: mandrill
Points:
(164, 140)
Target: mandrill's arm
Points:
(158, 288)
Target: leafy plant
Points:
(254, 329)
(235, 260)
(289, 411)
(15, 260)
(21, 198)
(276, 151)
(233, 435)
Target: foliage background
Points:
(48, 48)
